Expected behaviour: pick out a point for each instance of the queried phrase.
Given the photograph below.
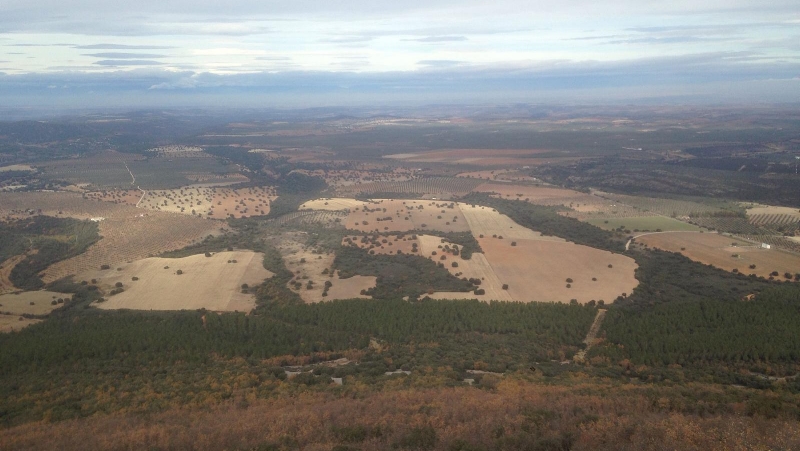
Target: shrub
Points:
(104, 267)
(179, 272)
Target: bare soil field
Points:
(17, 167)
(31, 302)
(211, 202)
(482, 157)
(213, 283)
(725, 252)
(312, 270)
(128, 233)
(488, 222)
(404, 215)
(537, 270)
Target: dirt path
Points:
(591, 336)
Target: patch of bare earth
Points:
(189, 283)
(312, 270)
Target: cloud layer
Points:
(411, 51)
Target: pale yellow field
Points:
(213, 283)
(536, 270)
(487, 222)
(404, 215)
(19, 304)
(308, 266)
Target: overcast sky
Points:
(307, 52)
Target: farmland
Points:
(533, 267)
(726, 252)
(314, 276)
(426, 187)
(30, 303)
(127, 233)
(643, 224)
(215, 282)
(482, 157)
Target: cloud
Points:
(122, 47)
(441, 63)
(439, 39)
(120, 55)
(128, 63)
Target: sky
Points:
(299, 53)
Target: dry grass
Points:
(537, 270)
(720, 251)
(31, 302)
(212, 282)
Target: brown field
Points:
(128, 233)
(718, 250)
(536, 270)
(479, 157)
(487, 222)
(308, 266)
(212, 282)
(31, 302)
(207, 202)
(407, 215)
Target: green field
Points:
(643, 224)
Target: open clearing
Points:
(488, 222)
(128, 233)
(643, 224)
(207, 202)
(537, 270)
(403, 215)
(720, 251)
(31, 302)
(311, 271)
(213, 283)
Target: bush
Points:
(179, 272)
(104, 267)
